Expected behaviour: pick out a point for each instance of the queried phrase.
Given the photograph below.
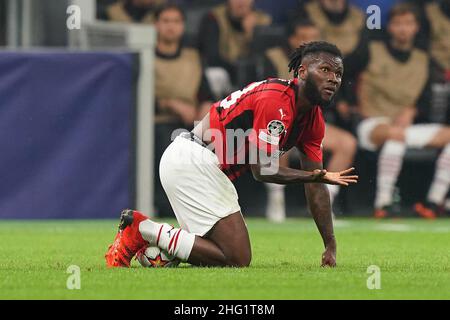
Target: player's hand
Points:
(341, 178)
(329, 257)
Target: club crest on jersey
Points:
(275, 128)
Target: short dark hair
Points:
(169, 6)
(309, 48)
(303, 23)
(403, 8)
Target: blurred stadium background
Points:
(81, 130)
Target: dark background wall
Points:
(2, 22)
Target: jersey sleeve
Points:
(310, 143)
(271, 117)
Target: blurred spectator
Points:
(434, 35)
(226, 34)
(338, 21)
(181, 89)
(140, 11)
(438, 17)
(393, 84)
(340, 143)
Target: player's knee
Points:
(240, 261)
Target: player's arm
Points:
(272, 173)
(267, 169)
(318, 199)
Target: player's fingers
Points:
(346, 171)
(350, 180)
(350, 177)
(328, 263)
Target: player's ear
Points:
(302, 72)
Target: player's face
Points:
(170, 26)
(323, 78)
(403, 28)
(240, 8)
(304, 34)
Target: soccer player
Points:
(338, 142)
(274, 116)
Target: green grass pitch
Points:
(413, 257)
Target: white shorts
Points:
(416, 136)
(199, 192)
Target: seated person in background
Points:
(438, 15)
(181, 89)
(226, 34)
(393, 83)
(435, 30)
(340, 143)
(435, 35)
(338, 21)
(138, 11)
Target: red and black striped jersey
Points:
(263, 114)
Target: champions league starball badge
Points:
(275, 128)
